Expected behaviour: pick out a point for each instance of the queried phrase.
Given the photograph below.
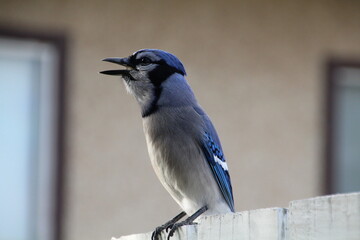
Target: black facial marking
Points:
(152, 107)
(157, 76)
(132, 60)
(161, 73)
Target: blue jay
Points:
(183, 145)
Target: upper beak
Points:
(121, 61)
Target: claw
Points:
(188, 221)
(174, 228)
(166, 226)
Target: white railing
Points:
(321, 218)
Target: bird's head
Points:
(145, 71)
(147, 65)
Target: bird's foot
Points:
(168, 225)
(157, 232)
(176, 226)
(188, 221)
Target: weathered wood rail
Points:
(333, 217)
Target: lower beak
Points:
(121, 61)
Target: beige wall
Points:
(255, 66)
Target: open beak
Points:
(121, 61)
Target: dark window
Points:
(343, 128)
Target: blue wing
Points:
(215, 157)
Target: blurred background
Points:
(280, 80)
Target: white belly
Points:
(185, 174)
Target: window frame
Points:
(59, 42)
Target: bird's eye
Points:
(145, 61)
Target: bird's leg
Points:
(168, 225)
(187, 221)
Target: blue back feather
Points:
(211, 147)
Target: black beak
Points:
(121, 61)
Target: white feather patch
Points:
(222, 164)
